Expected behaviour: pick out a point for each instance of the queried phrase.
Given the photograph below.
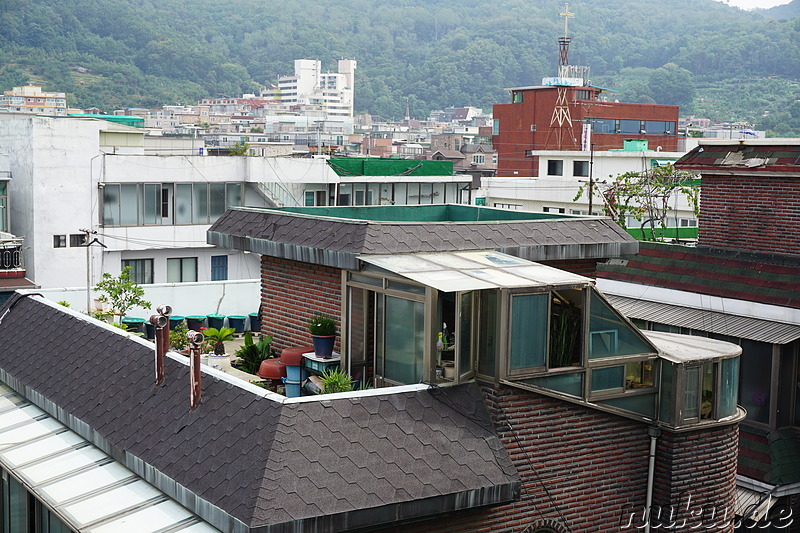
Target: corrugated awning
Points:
(87, 489)
(467, 271)
(753, 329)
(753, 505)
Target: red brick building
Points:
(562, 117)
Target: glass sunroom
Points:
(444, 318)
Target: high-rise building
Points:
(311, 87)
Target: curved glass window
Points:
(611, 335)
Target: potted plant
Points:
(216, 338)
(336, 380)
(252, 353)
(322, 327)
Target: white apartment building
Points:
(561, 174)
(151, 212)
(311, 86)
(31, 99)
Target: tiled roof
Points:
(356, 461)
(758, 278)
(337, 242)
(449, 154)
(742, 158)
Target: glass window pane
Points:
(567, 383)
(756, 378)
(729, 383)
(111, 205)
(528, 331)
(200, 203)
(666, 389)
(173, 270)
(425, 193)
(608, 378)
(404, 342)
(465, 334)
(373, 194)
(219, 267)
(639, 374)
(629, 126)
(691, 409)
(487, 331)
(438, 193)
(128, 205)
(183, 203)
(610, 334)
(151, 203)
(400, 194)
(450, 193)
(233, 195)
(216, 201)
(345, 194)
(189, 269)
(412, 194)
(707, 400)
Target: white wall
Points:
(239, 297)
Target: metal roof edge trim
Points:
(555, 252)
(277, 211)
(294, 252)
(413, 510)
(191, 501)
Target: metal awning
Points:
(87, 489)
(753, 505)
(474, 270)
(753, 329)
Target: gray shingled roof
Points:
(338, 242)
(245, 462)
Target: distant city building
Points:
(311, 86)
(31, 99)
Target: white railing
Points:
(278, 194)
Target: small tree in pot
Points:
(218, 338)
(323, 332)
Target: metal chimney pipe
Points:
(195, 389)
(161, 323)
(158, 322)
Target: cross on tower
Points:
(567, 15)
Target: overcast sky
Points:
(752, 4)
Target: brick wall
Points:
(695, 473)
(753, 214)
(291, 292)
(584, 470)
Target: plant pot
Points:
(196, 322)
(220, 362)
(323, 345)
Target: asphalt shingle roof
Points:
(309, 466)
(317, 239)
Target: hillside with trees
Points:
(712, 59)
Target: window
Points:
(508, 206)
(146, 204)
(496, 127)
(630, 126)
(555, 167)
(582, 94)
(219, 267)
(59, 241)
(580, 169)
(688, 222)
(182, 269)
(517, 97)
(478, 159)
(141, 270)
(77, 239)
(610, 335)
(603, 125)
(553, 209)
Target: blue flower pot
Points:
(323, 345)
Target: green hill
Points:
(712, 59)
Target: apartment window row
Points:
(403, 193)
(555, 167)
(635, 127)
(179, 269)
(75, 240)
(146, 204)
(507, 206)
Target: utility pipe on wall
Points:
(654, 433)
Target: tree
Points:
(672, 85)
(239, 148)
(644, 196)
(121, 292)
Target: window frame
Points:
(135, 272)
(555, 165)
(181, 269)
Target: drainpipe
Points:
(654, 433)
(161, 323)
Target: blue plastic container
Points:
(255, 323)
(292, 387)
(293, 373)
(237, 323)
(216, 321)
(134, 325)
(175, 320)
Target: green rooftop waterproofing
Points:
(125, 120)
(355, 166)
(421, 213)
